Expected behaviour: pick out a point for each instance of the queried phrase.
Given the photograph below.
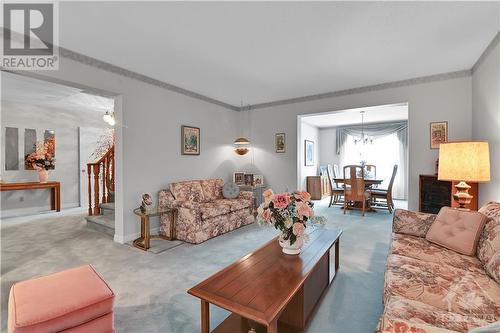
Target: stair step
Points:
(109, 206)
(102, 223)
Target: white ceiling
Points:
(266, 51)
(26, 90)
(373, 114)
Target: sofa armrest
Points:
(246, 195)
(412, 223)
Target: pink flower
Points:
(298, 229)
(304, 196)
(266, 215)
(303, 209)
(281, 200)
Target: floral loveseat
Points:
(202, 212)
(430, 289)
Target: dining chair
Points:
(336, 191)
(355, 190)
(386, 194)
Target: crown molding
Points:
(382, 86)
(487, 51)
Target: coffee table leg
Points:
(337, 255)
(205, 317)
(273, 327)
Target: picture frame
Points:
(249, 179)
(239, 178)
(438, 133)
(280, 142)
(190, 140)
(308, 153)
(258, 180)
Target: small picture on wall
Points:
(239, 178)
(280, 142)
(309, 153)
(249, 179)
(190, 139)
(439, 133)
(258, 180)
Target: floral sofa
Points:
(202, 212)
(430, 289)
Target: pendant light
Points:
(364, 139)
(242, 144)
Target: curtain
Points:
(389, 147)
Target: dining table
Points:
(369, 182)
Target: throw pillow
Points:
(230, 190)
(457, 230)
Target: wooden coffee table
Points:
(270, 291)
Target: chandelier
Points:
(364, 138)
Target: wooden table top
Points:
(259, 285)
(368, 181)
(27, 185)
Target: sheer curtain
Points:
(384, 152)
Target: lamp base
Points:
(462, 196)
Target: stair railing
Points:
(101, 181)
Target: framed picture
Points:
(239, 178)
(439, 133)
(190, 139)
(248, 179)
(258, 180)
(309, 152)
(280, 142)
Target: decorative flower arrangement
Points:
(288, 213)
(43, 157)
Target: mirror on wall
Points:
(29, 145)
(49, 138)
(11, 148)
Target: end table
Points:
(144, 242)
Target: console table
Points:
(55, 188)
(270, 291)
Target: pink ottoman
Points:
(73, 301)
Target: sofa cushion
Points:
(238, 203)
(214, 208)
(190, 190)
(212, 189)
(442, 286)
(457, 230)
(412, 223)
(421, 249)
(405, 311)
(489, 241)
(58, 301)
(493, 267)
(230, 190)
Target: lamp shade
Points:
(464, 161)
(241, 146)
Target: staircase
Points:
(101, 187)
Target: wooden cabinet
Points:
(434, 194)
(318, 186)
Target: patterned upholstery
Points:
(431, 289)
(199, 219)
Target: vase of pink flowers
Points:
(42, 159)
(289, 213)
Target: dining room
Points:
(356, 159)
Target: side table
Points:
(144, 242)
(257, 192)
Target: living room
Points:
(201, 75)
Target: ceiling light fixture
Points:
(364, 139)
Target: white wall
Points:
(432, 101)
(65, 123)
(327, 142)
(486, 118)
(311, 133)
(151, 119)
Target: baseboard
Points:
(130, 237)
(34, 211)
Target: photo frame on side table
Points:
(190, 140)
(249, 179)
(280, 142)
(258, 180)
(308, 153)
(438, 133)
(239, 178)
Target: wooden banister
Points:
(103, 181)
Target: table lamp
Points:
(467, 161)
